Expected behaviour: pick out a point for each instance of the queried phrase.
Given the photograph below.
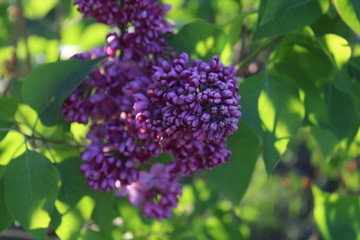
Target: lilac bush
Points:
(145, 100)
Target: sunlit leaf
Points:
(275, 113)
(31, 187)
(356, 6)
(209, 40)
(73, 219)
(302, 58)
(336, 216)
(281, 112)
(12, 146)
(347, 12)
(53, 83)
(217, 229)
(38, 8)
(28, 122)
(308, 58)
(77, 201)
(233, 30)
(339, 52)
(233, 178)
(284, 16)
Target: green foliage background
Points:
(294, 173)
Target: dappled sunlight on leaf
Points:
(202, 46)
(32, 177)
(73, 218)
(12, 146)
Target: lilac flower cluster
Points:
(159, 183)
(198, 102)
(108, 12)
(144, 100)
(193, 156)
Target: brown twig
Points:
(23, 31)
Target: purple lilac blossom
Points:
(198, 102)
(193, 156)
(156, 191)
(115, 153)
(104, 11)
(138, 105)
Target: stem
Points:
(9, 129)
(24, 32)
(43, 139)
(263, 47)
(123, 29)
(54, 141)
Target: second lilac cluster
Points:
(144, 100)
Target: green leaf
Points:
(342, 112)
(27, 119)
(38, 8)
(281, 112)
(233, 30)
(237, 173)
(7, 113)
(102, 211)
(339, 52)
(75, 204)
(234, 27)
(96, 235)
(15, 88)
(304, 51)
(5, 25)
(31, 188)
(275, 113)
(5, 219)
(347, 12)
(12, 146)
(73, 181)
(336, 216)
(329, 23)
(199, 39)
(326, 140)
(218, 229)
(53, 83)
(356, 6)
(295, 57)
(133, 217)
(250, 91)
(284, 16)
(338, 49)
(73, 220)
